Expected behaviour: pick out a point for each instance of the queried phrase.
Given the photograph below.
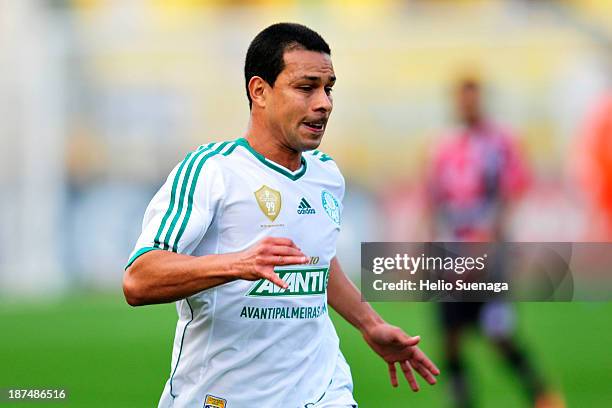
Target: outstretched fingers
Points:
(275, 279)
(284, 250)
(427, 364)
(393, 374)
(405, 365)
(425, 373)
(277, 252)
(278, 260)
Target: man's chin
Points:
(310, 143)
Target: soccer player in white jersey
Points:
(242, 236)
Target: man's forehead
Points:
(310, 65)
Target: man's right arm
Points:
(162, 276)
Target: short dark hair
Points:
(264, 57)
(468, 83)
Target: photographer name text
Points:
(439, 285)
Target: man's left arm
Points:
(389, 342)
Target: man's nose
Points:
(323, 102)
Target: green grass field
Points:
(107, 354)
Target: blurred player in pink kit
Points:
(476, 173)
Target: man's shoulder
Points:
(205, 159)
(318, 155)
(211, 154)
(217, 150)
(322, 162)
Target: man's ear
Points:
(258, 90)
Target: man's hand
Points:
(390, 342)
(395, 346)
(258, 261)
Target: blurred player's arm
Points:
(389, 342)
(515, 180)
(162, 276)
(431, 195)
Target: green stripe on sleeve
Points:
(182, 195)
(138, 253)
(190, 197)
(177, 176)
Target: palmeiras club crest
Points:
(269, 201)
(331, 206)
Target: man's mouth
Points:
(316, 126)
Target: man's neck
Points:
(273, 149)
(474, 124)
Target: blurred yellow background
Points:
(101, 98)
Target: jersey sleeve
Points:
(183, 209)
(342, 183)
(339, 185)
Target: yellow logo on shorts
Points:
(214, 402)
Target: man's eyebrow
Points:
(317, 78)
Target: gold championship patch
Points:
(269, 201)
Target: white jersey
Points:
(250, 343)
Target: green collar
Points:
(293, 175)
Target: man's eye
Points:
(328, 90)
(307, 88)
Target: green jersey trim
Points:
(231, 149)
(274, 166)
(321, 397)
(324, 157)
(138, 253)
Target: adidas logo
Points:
(305, 208)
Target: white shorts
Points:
(339, 394)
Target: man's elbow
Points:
(132, 290)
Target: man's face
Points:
(300, 101)
(468, 103)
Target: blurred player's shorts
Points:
(497, 319)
